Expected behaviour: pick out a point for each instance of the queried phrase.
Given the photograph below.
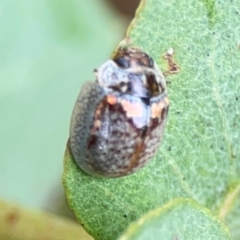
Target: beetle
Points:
(119, 119)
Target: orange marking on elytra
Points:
(132, 109)
(157, 108)
(97, 124)
(166, 100)
(111, 99)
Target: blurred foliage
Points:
(18, 223)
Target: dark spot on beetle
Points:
(115, 88)
(122, 62)
(92, 141)
(111, 149)
(151, 62)
(125, 167)
(122, 84)
(125, 215)
(163, 113)
(127, 134)
(12, 218)
(129, 87)
(146, 101)
(115, 132)
(144, 132)
(141, 63)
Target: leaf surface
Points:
(179, 219)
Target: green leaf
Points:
(179, 219)
(200, 154)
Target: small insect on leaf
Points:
(118, 120)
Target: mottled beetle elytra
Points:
(118, 120)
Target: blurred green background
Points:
(48, 48)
